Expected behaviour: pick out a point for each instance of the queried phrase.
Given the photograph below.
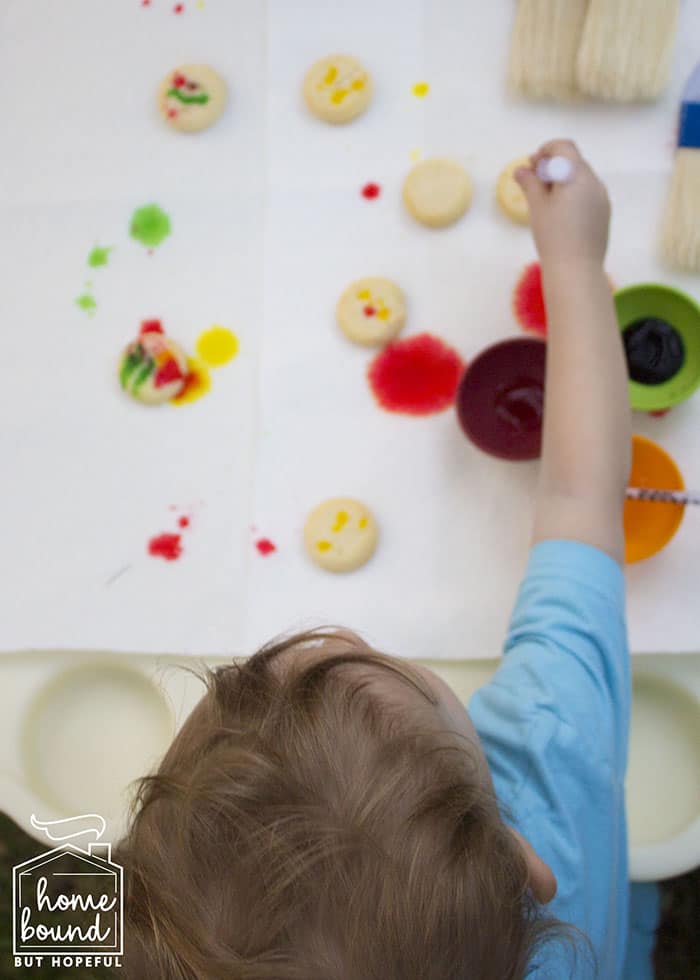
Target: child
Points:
(328, 812)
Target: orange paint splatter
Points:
(197, 383)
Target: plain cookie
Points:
(337, 89)
(153, 369)
(192, 97)
(371, 311)
(340, 534)
(437, 192)
(509, 193)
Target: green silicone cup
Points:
(677, 308)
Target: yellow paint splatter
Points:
(363, 522)
(324, 546)
(330, 75)
(384, 313)
(358, 85)
(197, 385)
(420, 89)
(341, 519)
(217, 346)
(339, 96)
(416, 154)
(364, 294)
(200, 4)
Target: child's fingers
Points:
(532, 186)
(560, 148)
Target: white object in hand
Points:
(555, 170)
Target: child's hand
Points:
(569, 221)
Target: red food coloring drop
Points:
(265, 546)
(179, 81)
(170, 371)
(370, 191)
(183, 522)
(172, 113)
(145, 3)
(369, 311)
(167, 546)
(528, 300)
(151, 326)
(659, 413)
(417, 376)
(178, 8)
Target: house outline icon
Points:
(98, 859)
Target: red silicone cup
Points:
(500, 399)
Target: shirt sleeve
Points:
(554, 724)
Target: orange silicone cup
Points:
(650, 526)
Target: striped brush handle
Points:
(680, 497)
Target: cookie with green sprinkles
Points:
(153, 369)
(192, 97)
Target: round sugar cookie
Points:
(437, 192)
(192, 97)
(509, 194)
(371, 311)
(340, 534)
(153, 369)
(337, 89)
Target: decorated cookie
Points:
(371, 311)
(192, 97)
(153, 369)
(437, 192)
(337, 89)
(509, 194)
(340, 534)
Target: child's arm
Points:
(587, 420)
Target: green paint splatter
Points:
(87, 303)
(150, 225)
(99, 256)
(200, 99)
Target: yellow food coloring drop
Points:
(330, 75)
(217, 346)
(341, 519)
(339, 96)
(416, 154)
(384, 313)
(324, 546)
(364, 294)
(421, 89)
(363, 522)
(358, 85)
(197, 385)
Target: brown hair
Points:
(304, 825)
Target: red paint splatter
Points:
(659, 414)
(418, 376)
(178, 8)
(169, 372)
(151, 326)
(179, 81)
(369, 311)
(265, 546)
(167, 546)
(145, 3)
(370, 191)
(528, 300)
(183, 522)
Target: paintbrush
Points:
(681, 228)
(648, 495)
(626, 48)
(544, 43)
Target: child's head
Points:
(326, 813)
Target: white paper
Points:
(269, 226)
